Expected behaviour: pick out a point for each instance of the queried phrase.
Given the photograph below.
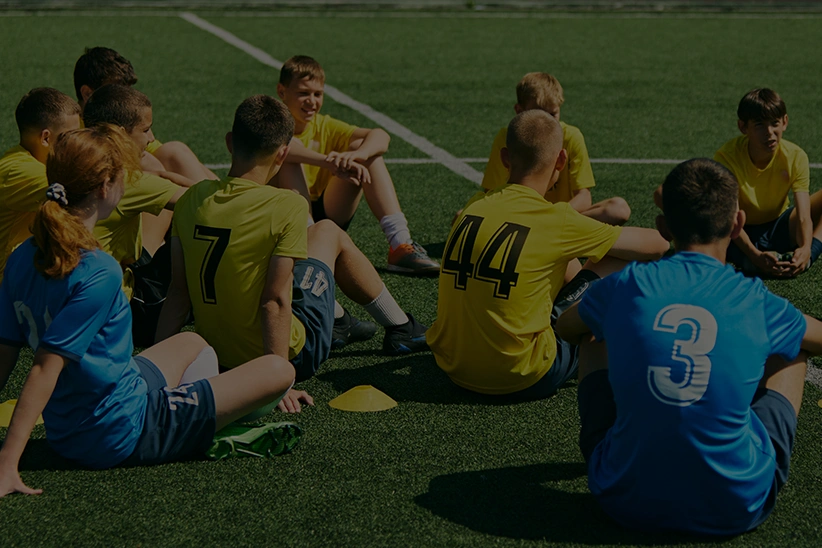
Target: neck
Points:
(760, 159)
(299, 127)
(258, 173)
(717, 249)
(39, 152)
(88, 218)
(540, 182)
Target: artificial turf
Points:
(445, 467)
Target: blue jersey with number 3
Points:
(95, 415)
(687, 342)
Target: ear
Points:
(739, 224)
(742, 126)
(281, 91)
(103, 190)
(518, 108)
(505, 157)
(280, 155)
(786, 123)
(662, 228)
(562, 160)
(45, 137)
(85, 92)
(229, 142)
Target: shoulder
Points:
(733, 146)
(570, 132)
(17, 162)
(148, 184)
(793, 152)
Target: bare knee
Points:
(279, 375)
(618, 210)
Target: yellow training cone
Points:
(6, 409)
(363, 398)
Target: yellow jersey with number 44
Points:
(229, 230)
(503, 265)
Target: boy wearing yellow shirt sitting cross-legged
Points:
(42, 114)
(540, 90)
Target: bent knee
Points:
(618, 210)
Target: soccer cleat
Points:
(405, 339)
(349, 329)
(266, 441)
(412, 259)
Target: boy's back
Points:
(229, 230)
(503, 265)
(687, 342)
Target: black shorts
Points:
(318, 212)
(771, 236)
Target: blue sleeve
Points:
(595, 303)
(10, 329)
(88, 309)
(785, 326)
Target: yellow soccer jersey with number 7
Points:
(503, 266)
(229, 230)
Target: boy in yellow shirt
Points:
(501, 287)
(99, 66)
(540, 90)
(42, 115)
(341, 163)
(259, 282)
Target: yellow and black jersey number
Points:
(217, 239)
(497, 263)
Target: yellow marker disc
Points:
(6, 409)
(363, 398)
(819, 403)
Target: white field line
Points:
(814, 375)
(440, 155)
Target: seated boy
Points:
(777, 240)
(99, 66)
(342, 162)
(540, 90)
(504, 264)
(42, 114)
(237, 245)
(135, 231)
(689, 403)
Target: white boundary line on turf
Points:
(438, 154)
(814, 375)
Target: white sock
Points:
(396, 231)
(339, 311)
(204, 366)
(385, 310)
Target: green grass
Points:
(445, 467)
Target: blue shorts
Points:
(312, 302)
(567, 360)
(598, 413)
(179, 423)
(771, 236)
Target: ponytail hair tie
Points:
(57, 193)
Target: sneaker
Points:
(349, 329)
(405, 339)
(412, 259)
(266, 441)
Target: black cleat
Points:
(405, 339)
(349, 329)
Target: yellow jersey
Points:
(229, 230)
(121, 234)
(763, 193)
(153, 146)
(323, 134)
(23, 185)
(502, 268)
(577, 174)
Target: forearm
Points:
(639, 244)
(177, 179)
(581, 200)
(298, 154)
(276, 325)
(804, 231)
(174, 314)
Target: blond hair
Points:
(534, 141)
(540, 88)
(299, 67)
(81, 161)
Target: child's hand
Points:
(345, 160)
(291, 401)
(799, 261)
(10, 482)
(768, 263)
(357, 173)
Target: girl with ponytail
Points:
(62, 296)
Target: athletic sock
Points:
(816, 250)
(204, 366)
(339, 311)
(395, 227)
(385, 310)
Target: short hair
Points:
(42, 108)
(761, 105)
(99, 66)
(115, 104)
(301, 66)
(262, 124)
(534, 140)
(541, 88)
(699, 199)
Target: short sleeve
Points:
(586, 237)
(10, 330)
(800, 174)
(25, 187)
(785, 326)
(579, 164)
(73, 329)
(339, 133)
(496, 174)
(595, 302)
(292, 233)
(149, 194)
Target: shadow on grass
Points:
(413, 378)
(38, 455)
(521, 503)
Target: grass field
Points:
(444, 468)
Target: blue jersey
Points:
(687, 343)
(95, 415)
